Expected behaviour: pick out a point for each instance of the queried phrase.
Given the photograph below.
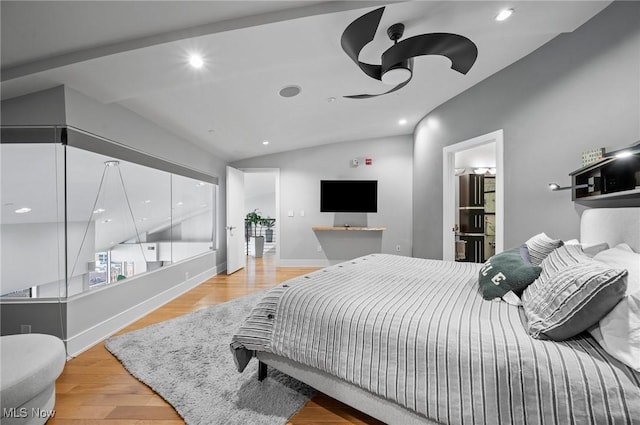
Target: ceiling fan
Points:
(397, 61)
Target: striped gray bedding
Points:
(419, 333)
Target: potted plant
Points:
(254, 220)
(269, 223)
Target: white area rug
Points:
(187, 361)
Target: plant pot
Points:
(269, 235)
(258, 246)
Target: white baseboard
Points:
(86, 339)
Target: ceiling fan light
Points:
(396, 75)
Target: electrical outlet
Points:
(397, 248)
(319, 248)
(186, 275)
(25, 329)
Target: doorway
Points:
(261, 194)
(464, 152)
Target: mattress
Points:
(418, 332)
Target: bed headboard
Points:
(611, 225)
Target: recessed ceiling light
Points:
(107, 220)
(331, 99)
(265, 142)
(99, 210)
(196, 61)
(180, 204)
(290, 91)
(23, 210)
(402, 121)
(200, 184)
(147, 201)
(504, 14)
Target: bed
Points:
(410, 340)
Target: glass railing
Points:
(75, 220)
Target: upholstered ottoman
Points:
(30, 364)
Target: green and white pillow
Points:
(507, 274)
(572, 293)
(540, 246)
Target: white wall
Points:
(33, 254)
(196, 228)
(260, 193)
(580, 91)
(300, 175)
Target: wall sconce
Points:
(591, 186)
(554, 186)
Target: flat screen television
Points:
(359, 196)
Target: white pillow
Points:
(618, 332)
(589, 249)
(622, 257)
(540, 246)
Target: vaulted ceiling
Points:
(135, 54)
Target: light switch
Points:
(290, 213)
(301, 213)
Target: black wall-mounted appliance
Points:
(359, 196)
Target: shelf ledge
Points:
(348, 228)
(612, 195)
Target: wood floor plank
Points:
(95, 389)
(144, 413)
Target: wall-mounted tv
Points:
(359, 196)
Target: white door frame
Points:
(449, 190)
(276, 232)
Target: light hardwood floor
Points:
(94, 388)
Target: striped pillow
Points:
(572, 293)
(540, 246)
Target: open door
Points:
(449, 191)
(235, 220)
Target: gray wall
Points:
(41, 108)
(300, 175)
(578, 92)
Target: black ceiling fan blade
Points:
(369, 96)
(358, 34)
(460, 50)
